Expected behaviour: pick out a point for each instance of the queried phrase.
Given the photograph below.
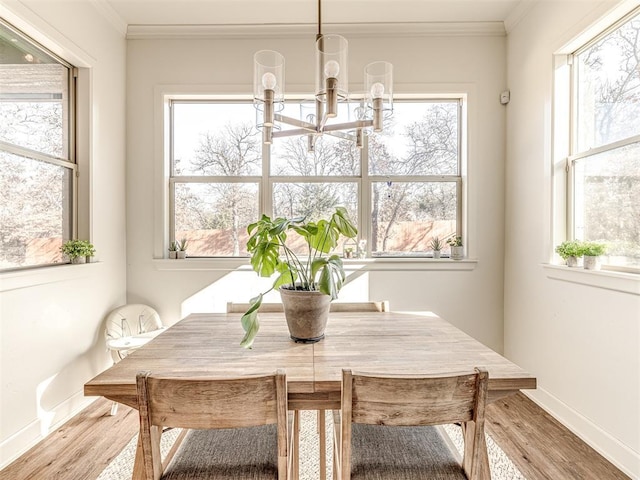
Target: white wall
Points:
(582, 342)
(51, 337)
(454, 64)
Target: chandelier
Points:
(331, 88)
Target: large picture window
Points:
(37, 162)
(402, 189)
(604, 165)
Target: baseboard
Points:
(20, 442)
(616, 452)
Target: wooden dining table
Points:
(376, 342)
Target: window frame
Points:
(363, 181)
(573, 154)
(70, 161)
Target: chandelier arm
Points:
(343, 135)
(323, 122)
(291, 132)
(302, 131)
(348, 125)
(296, 122)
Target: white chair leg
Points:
(114, 408)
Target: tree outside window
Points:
(36, 155)
(407, 179)
(605, 160)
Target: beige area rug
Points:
(501, 467)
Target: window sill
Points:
(34, 277)
(367, 265)
(610, 280)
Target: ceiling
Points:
(304, 12)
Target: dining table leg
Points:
(296, 445)
(138, 462)
(468, 432)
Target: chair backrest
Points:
(200, 402)
(264, 307)
(373, 306)
(412, 400)
(132, 319)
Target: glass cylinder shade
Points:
(268, 74)
(378, 83)
(332, 82)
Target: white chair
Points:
(128, 328)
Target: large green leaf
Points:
(343, 223)
(250, 322)
(325, 238)
(265, 258)
(331, 275)
(317, 265)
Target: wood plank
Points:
(80, 449)
(540, 446)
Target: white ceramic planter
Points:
(182, 254)
(591, 262)
(457, 253)
(572, 261)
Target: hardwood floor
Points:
(80, 449)
(539, 445)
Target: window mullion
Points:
(364, 195)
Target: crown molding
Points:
(517, 14)
(142, 32)
(105, 9)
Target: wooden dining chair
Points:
(237, 428)
(371, 306)
(385, 428)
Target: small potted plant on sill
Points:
(90, 251)
(570, 251)
(182, 248)
(592, 252)
(436, 246)
(77, 251)
(173, 250)
(457, 249)
(308, 284)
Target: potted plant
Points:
(182, 248)
(436, 246)
(592, 252)
(77, 250)
(90, 250)
(457, 249)
(570, 251)
(307, 284)
(173, 250)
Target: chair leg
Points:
(114, 408)
(322, 435)
(296, 445)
